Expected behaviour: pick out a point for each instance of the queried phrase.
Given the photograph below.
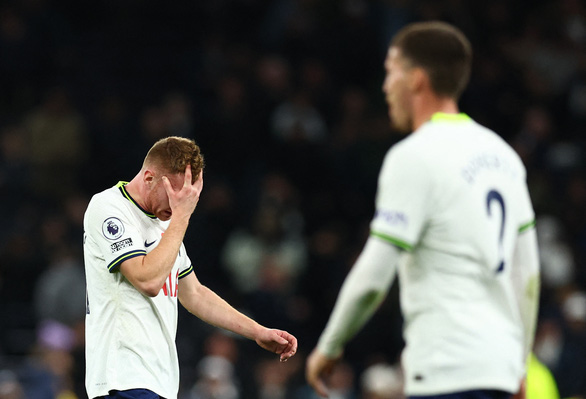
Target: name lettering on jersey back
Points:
(117, 246)
(391, 217)
(486, 162)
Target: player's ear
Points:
(418, 79)
(148, 176)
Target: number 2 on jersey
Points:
(492, 196)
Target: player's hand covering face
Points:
(181, 194)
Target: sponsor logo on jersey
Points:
(112, 228)
(117, 246)
(148, 244)
(391, 217)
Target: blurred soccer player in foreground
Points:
(455, 221)
(137, 268)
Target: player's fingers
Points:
(292, 347)
(288, 353)
(319, 386)
(199, 180)
(281, 340)
(187, 179)
(167, 185)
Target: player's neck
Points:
(425, 106)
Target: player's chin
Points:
(400, 124)
(164, 215)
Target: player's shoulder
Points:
(109, 198)
(410, 150)
(496, 141)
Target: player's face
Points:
(158, 199)
(396, 89)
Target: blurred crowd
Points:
(284, 98)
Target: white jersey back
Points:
(130, 338)
(453, 195)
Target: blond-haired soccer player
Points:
(454, 217)
(137, 268)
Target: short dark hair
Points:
(442, 50)
(173, 154)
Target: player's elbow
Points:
(371, 298)
(148, 288)
(151, 292)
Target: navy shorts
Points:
(476, 394)
(132, 394)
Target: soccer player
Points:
(454, 219)
(137, 268)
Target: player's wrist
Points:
(181, 218)
(329, 349)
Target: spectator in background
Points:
(272, 245)
(215, 380)
(557, 261)
(48, 372)
(178, 109)
(58, 145)
(60, 290)
(382, 381)
(15, 164)
(570, 372)
(10, 387)
(217, 374)
(273, 383)
(298, 120)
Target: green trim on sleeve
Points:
(112, 267)
(186, 272)
(527, 226)
(395, 241)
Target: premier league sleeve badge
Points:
(112, 228)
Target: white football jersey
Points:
(130, 337)
(453, 195)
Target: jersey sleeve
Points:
(526, 213)
(402, 199)
(115, 234)
(186, 266)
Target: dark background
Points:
(284, 97)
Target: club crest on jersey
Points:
(112, 228)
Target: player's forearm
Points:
(158, 263)
(211, 308)
(530, 308)
(363, 290)
(525, 277)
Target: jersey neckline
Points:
(126, 195)
(445, 117)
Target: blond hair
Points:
(173, 154)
